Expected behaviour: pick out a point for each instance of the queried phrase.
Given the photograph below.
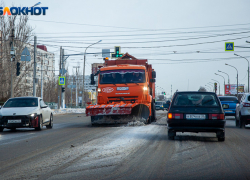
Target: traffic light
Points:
(17, 68)
(92, 79)
(215, 86)
(164, 93)
(63, 89)
(117, 53)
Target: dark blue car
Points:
(166, 105)
(229, 104)
(159, 105)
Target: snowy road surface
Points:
(74, 149)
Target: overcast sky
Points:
(184, 40)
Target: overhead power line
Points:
(168, 40)
(127, 35)
(151, 47)
(61, 22)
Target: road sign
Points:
(25, 56)
(105, 52)
(63, 71)
(229, 46)
(61, 80)
(72, 86)
(117, 53)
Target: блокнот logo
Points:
(23, 11)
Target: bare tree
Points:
(202, 89)
(23, 33)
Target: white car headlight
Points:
(33, 115)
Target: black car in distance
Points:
(196, 112)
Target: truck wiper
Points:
(136, 83)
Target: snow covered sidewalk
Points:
(68, 110)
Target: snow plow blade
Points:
(110, 109)
(117, 113)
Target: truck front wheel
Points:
(153, 116)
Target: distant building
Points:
(77, 80)
(45, 61)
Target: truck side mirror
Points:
(152, 80)
(92, 79)
(153, 74)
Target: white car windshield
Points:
(21, 102)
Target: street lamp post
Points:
(224, 81)
(219, 84)
(227, 76)
(84, 71)
(247, 70)
(237, 77)
(208, 87)
(211, 84)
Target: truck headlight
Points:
(99, 90)
(145, 88)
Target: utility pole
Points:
(12, 53)
(42, 76)
(34, 74)
(171, 90)
(71, 93)
(76, 84)
(59, 87)
(63, 86)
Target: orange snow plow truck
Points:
(126, 92)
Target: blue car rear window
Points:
(232, 99)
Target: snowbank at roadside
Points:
(68, 110)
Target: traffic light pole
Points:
(12, 95)
(12, 53)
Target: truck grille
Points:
(131, 99)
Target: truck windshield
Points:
(122, 76)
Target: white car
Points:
(25, 112)
(243, 111)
